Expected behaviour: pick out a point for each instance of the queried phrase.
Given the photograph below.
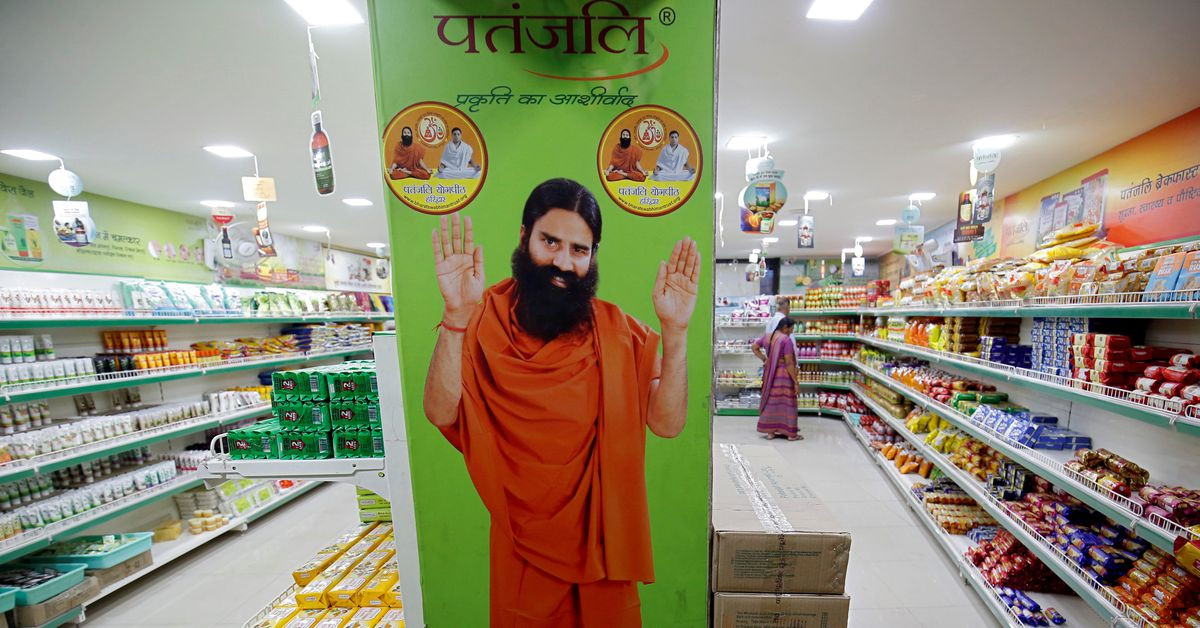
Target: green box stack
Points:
(255, 442)
(372, 507)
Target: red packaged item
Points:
(1147, 384)
(1112, 341)
(1141, 354)
(1189, 360)
(1190, 393)
(1105, 353)
(1181, 374)
(1154, 372)
(1114, 366)
(1169, 389)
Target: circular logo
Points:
(435, 159)
(650, 160)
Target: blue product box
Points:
(1044, 418)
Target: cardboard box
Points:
(120, 571)
(758, 610)
(771, 534)
(39, 614)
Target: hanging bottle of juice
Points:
(226, 244)
(322, 161)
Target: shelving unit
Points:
(112, 381)
(102, 320)
(1166, 305)
(1110, 609)
(368, 473)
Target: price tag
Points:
(258, 188)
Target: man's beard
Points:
(545, 310)
(406, 140)
(625, 141)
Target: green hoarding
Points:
(498, 97)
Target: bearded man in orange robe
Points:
(548, 392)
(626, 162)
(408, 158)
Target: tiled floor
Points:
(224, 583)
(898, 576)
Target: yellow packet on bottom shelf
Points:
(392, 597)
(305, 618)
(365, 618)
(394, 618)
(345, 592)
(313, 595)
(276, 617)
(377, 587)
(336, 617)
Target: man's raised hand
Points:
(459, 266)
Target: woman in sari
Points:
(777, 409)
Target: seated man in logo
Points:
(458, 159)
(672, 164)
(626, 162)
(408, 158)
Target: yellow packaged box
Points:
(305, 618)
(345, 591)
(336, 617)
(374, 561)
(394, 618)
(365, 618)
(313, 595)
(377, 587)
(392, 597)
(278, 616)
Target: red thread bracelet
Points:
(443, 325)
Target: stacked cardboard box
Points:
(779, 557)
(372, 507)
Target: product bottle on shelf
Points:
(322, 161)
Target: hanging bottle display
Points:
(322, 162)
(226, 244)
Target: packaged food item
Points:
(1163, 278)
(276, 617)
(1181, 374)
(335, 617)
(373, 594)
(365, 617)
(392, 618)
(305, 618)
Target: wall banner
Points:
(355, 272)
(1143, 191)
(594, 117)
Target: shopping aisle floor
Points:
(230, 579)
(898, 576)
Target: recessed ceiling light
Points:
(30, 154)
(815, 195)
(886, 222)
(770, 240)
(997, 142)
(788, 223)
(837, 9)
(377, 245)
(326, 12)
(922, 196)
(357, 202)
(862, 239)
(316, 229)
(227, 151)
(216, 204)
(746, 142)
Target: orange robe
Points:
(554, 438)
(626, 159)
(409, 157)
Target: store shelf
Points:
(167, 551)
(111, 381)
(1117, 401)
(829, 385)
(33, 540)
(365, 472)
(754, 411)
(843, 337)
(1103, 602)
(825, 361)
(1172, 304)
(1072, 608)
(1049, 465)
(740, 383)
(832, 312)
(45, 463)
(31, 322)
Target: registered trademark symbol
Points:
(666, 16)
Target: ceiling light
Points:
(862, 239)
(837, 9)
(316, 229)
(756, 250)
(922, 196)
(377, 245)
(326, 12)
(770, 240)
(227, 151)
(788, 223)
(216, 204)
(718, 196)
(886, 222)
(746, 142)
(997, 142)
(357, 202)
(30, 154)
(815, 195)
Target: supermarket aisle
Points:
(227, 581)
(898, 577)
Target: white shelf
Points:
(368, 473)
(1072, 608)
(167, 551)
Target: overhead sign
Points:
(73, 223)
(256, 189)
(65, 182)
(908, 238)
(356, 272)
(986, 159)
(805, 233)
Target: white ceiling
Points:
(876, 109)
(129, 90)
